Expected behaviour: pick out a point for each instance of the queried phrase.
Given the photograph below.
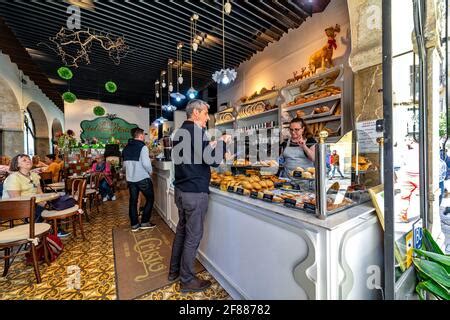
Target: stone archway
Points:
(11, 125)
(57, 129)
(42, 139)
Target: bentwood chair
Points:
(75, 194)
(73, 214)
(93, 192)
(20, 236)
(46, 179)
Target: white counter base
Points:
(267, 251)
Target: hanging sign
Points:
(367, 136)
(105, 128)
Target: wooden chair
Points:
(33, 234)
(46, 179)
(74, 193)
(74, 213)
(93, 192)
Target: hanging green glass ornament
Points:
(99, 111)
(111, 87)
(69, 97)
(65, 73)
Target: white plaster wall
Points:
(83, 110)
(276, 63)
(31, 93)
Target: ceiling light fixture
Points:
(169, 75)
(157, 89)
(194, 20)
(163, 79)
(192, 93)
(180, 62)
(224, 76)
(169, 107)
(227, 7)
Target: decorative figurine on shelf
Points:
(323, 58)
(306, 72)
(292, 80)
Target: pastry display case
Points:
(311, 190)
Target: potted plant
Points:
(433, 270)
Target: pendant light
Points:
(177, 95)
(192, 93)
(169, 75)
(180, 62)
(194, 44)
(169, 107)
(163, 79)
(227, 7)
(224, 76)
(156, 89)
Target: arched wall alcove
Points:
(42, 137)
(11, 123)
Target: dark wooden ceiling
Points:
(152, 29)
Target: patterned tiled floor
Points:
(95, 259)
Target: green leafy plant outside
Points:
(432, 268)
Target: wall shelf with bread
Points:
(225, 117)
(318, 100)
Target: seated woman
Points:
(53, 167)
(37, 163)
(103, 168)
(22, 182)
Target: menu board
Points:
(367, 136)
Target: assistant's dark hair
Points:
(135, 132)
(14, 166)
(51, 156)
(303, 123)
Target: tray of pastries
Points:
(363, 163)
(303, 174)
(313, 96)
(224, 117)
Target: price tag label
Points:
(254, 195)
(230, 189)
(309, 207)
(278, 184)
(268, 197)
(298, 174)
(240, 191)
(290, 203)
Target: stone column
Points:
(434, 58)
(12, 142)
(365, 61)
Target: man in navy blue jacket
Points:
(138, 169)
(193, 155)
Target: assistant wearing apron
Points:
(295, 157)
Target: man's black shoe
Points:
(195, 285)
(173, 276)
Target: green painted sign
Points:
(104, 128)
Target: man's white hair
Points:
(195, 104)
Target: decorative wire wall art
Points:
(74, 46)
